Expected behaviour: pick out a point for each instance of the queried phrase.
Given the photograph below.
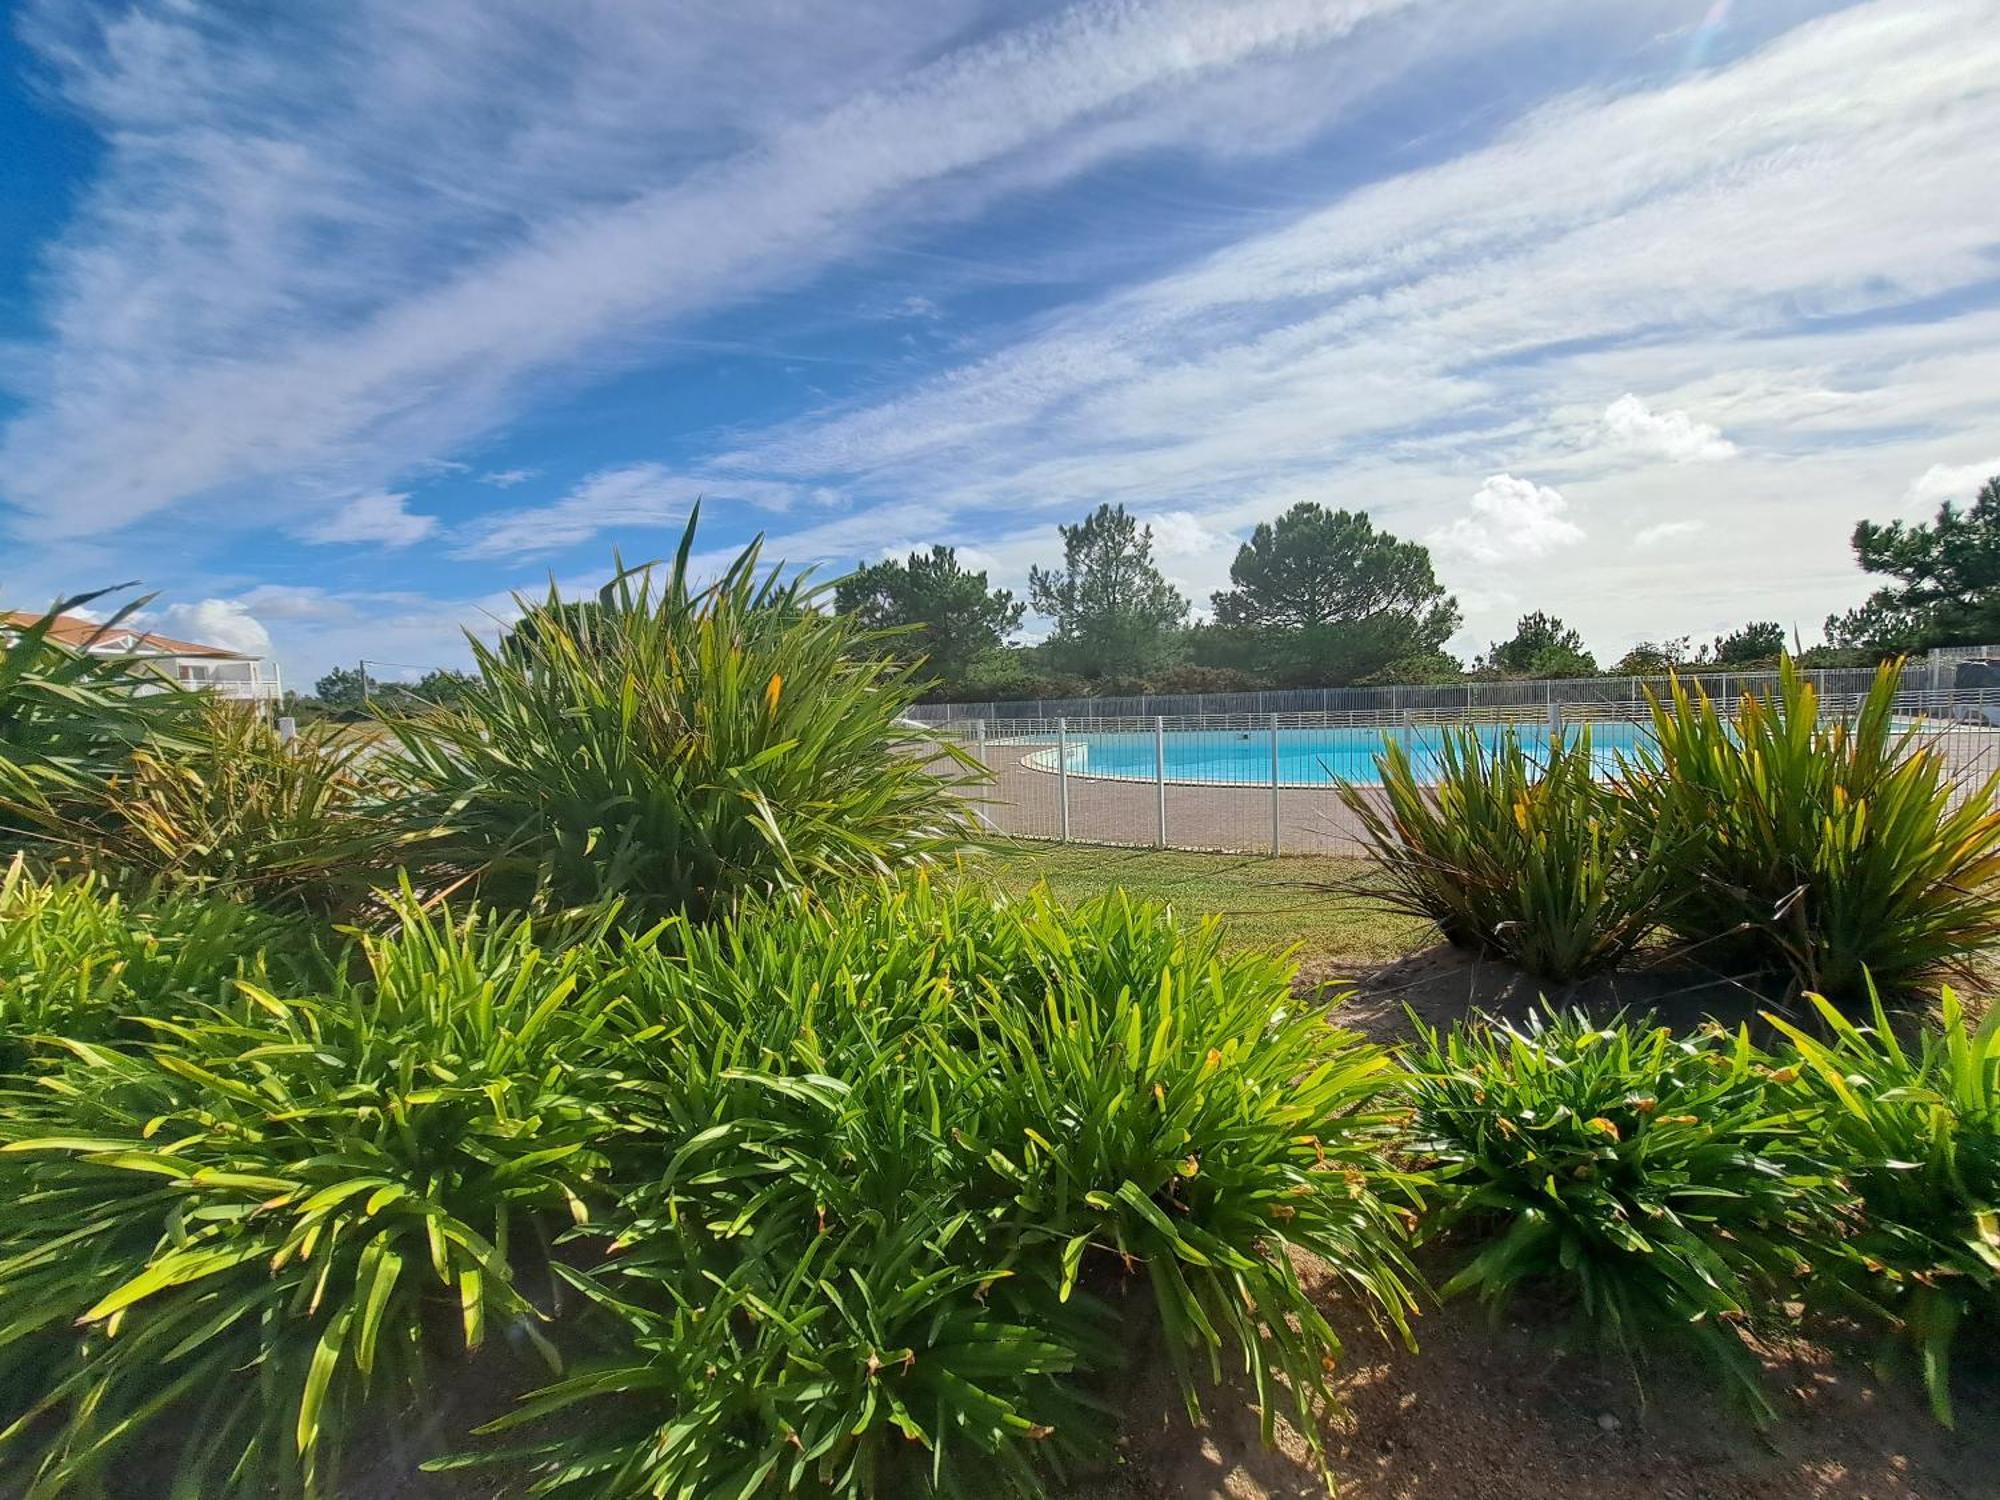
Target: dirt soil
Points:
(1503, 1410)
(1442, 984)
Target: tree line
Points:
(1325, 598)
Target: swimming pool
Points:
(1305, 757)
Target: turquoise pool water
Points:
(1306, 757)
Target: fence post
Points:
(1160, 780)
(979, 741)
(1062, 772)
(1274, 786)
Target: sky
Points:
(333, 326)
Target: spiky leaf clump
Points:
(1820, 846)
(680, 747)
(80, 959)
(233, 809)
(1664, 1186)
(921, 1147)
(232, 1251)
(1915, 1131)
(1518, 852)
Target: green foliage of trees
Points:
(1541, 646)
(1656, 658)
(1114, 611)
(1321, 596)
(950, 617)
(1947, 588)
(343, 690)
(1757, 644)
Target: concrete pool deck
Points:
(1026, 801)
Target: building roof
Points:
(79, 634)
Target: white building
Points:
(214, 669)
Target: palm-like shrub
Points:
(912, 1144)
(1827, 849)
(70, 719)
(1520, 855)
(231, 808)
(678, 747)
(82, 960)
(1915, 1131)
(1663, 1185)
(221, 1246)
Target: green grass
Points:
(1263, 903)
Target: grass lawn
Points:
(1271, 903)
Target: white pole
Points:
(1062, 772)
(979, 739)
(1274, 786)
(1160, 780)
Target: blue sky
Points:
(334, 324)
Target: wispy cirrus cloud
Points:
(382, 519)
(1666, 531)
(219, 344)
(1436, 321)
(321, 254)
(627, 498)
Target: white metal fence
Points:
(1264, 782)
(1390, 704)
(1935, 673)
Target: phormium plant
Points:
(70, 717)
(1519, 853)
(680, 747)
(1828, 847)
(234, 809)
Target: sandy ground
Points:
(1027, 803)
(1489, 1411)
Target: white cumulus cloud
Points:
(227, 623)
(1510, 519)
(1955, 482)
(381, 518)
(1674, 435)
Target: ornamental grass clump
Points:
(1664, 1186)
(70, 718)
(1515, 853)
(679, 748)
(80, 959)
(1914, 1129)
(916, 1150)
(232, 1252)
(1827, 848)
(232, 808)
